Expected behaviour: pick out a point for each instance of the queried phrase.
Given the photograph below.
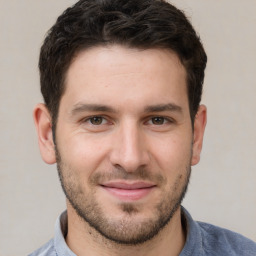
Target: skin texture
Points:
(123, 122)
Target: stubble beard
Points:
(124, 231)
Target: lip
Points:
(128, 191)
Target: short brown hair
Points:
(133, 23)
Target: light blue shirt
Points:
(202, 240)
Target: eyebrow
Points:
(81, 107)
(163, 107)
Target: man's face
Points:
(124, 140)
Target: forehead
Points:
(121, 73)
(116, 57)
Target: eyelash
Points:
(89, 120)
(105, 120)
(164, 119)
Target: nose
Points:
(129, 149)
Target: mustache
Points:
(119, 173)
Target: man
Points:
(122, 84)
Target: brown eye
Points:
(96, 120)
(158, 120)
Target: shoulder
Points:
(45, 250)
(225, 242)
(204, 239)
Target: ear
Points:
(199, 127)
(43, 123)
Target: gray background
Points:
(223, 185)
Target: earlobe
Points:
(42, 119)
(199, 127)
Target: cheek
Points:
(173, 153)
(83, 152)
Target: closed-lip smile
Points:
(128, 190)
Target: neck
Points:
(84, 240)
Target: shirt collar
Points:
(61, 230)
(193, 245)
